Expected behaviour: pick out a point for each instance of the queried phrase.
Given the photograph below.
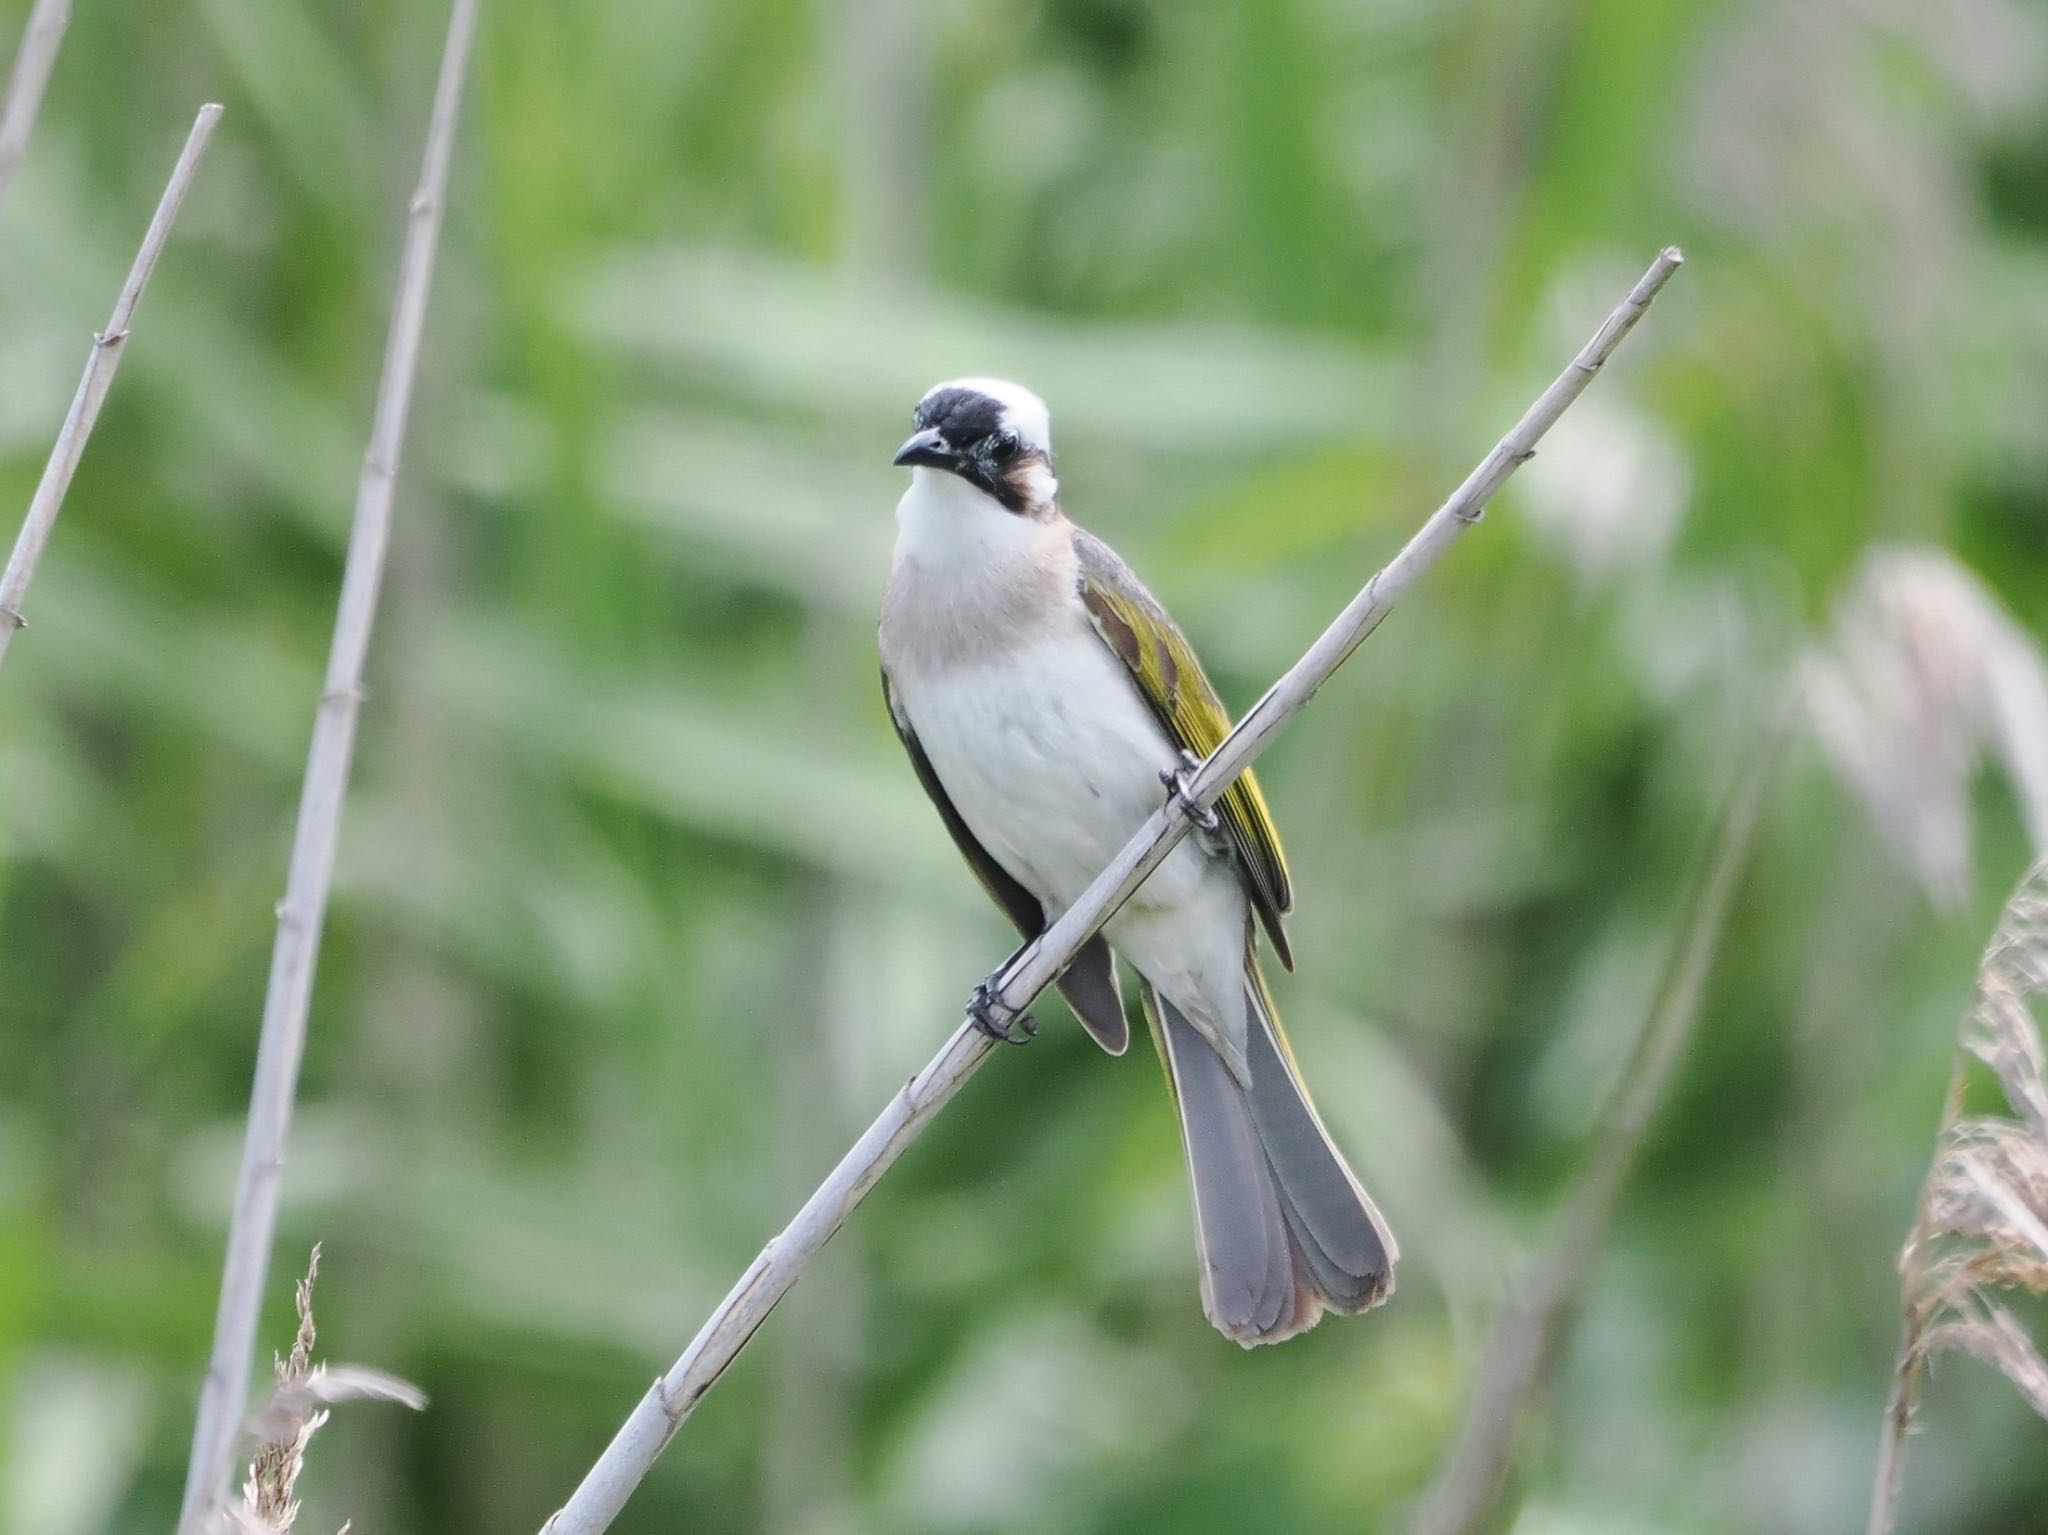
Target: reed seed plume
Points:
(298, 1409)
(1981, 1229)
(1923, 677)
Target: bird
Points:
(1047, 703)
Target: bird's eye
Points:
(1002, 444)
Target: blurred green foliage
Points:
(640, 915)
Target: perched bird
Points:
(1047, 703)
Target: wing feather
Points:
(1171, 681)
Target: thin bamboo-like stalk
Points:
(1014, 985)
(1464, 1497)
(98, 378)
(32, 65)
(223, 1395)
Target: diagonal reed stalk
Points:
(223, 1395)
(98, 378)
(1018, 981)
(32, 66)
(1464, 1497)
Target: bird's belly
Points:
(1050, 756)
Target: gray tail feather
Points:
(1284, 1229)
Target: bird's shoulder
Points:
(1136, 625)
(1100, 568)
(1163, 665)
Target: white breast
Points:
(1048, 753)
(1030, 721)
(1041, 741)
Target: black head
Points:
(994, 435)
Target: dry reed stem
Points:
(1981, 1225)
(98, 378)
(300, 915)
(37, 56)
(1016, 983)
(1465, 1495)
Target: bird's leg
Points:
(985, 1010)
(1176, 781)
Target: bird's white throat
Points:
(970, 579)
(943, 522)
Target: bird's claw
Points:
(985, 1011)
(1176, 781)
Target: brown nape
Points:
(1015, 487)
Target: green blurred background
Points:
(640, 915)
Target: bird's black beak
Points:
(929, 448)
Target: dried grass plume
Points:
(1981, 1230)
(297, 1410)
(1923, 678)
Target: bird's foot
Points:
(987, 1013)
(1176, 781)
